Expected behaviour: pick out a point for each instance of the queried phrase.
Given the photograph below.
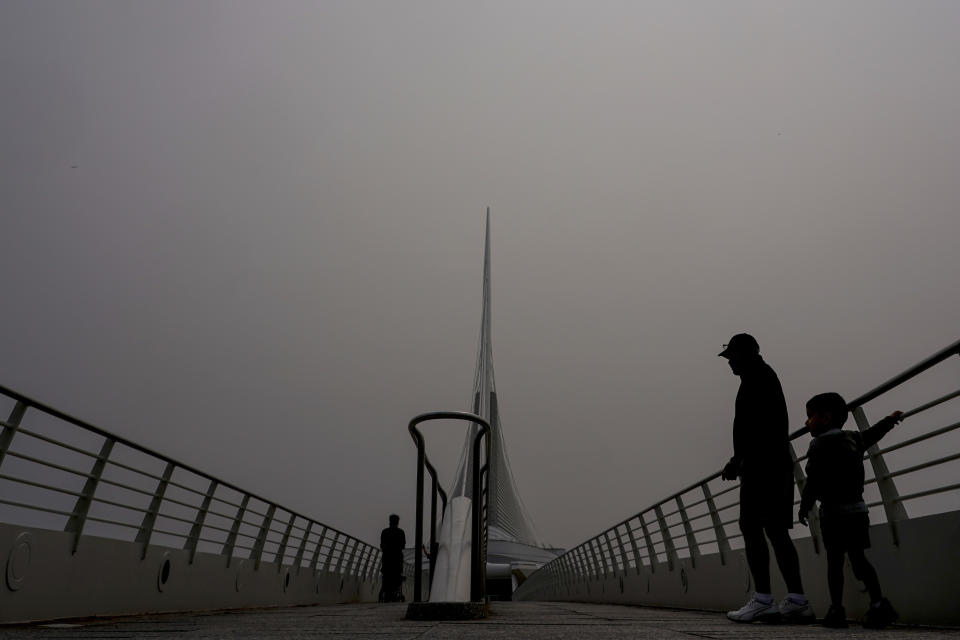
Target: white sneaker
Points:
(795, 613)
(755, 610)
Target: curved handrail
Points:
(478, 533)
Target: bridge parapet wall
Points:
(686, 550)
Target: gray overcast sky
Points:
(249, 234)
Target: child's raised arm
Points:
(872, 435)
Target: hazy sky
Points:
(249, 234)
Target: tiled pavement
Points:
(534, 620)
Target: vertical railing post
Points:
(433, 523)
(278, 559)
(150, 517)
(231, 542)
(580, 554)
(477, 553)
(813, 520)
(333, 548)
(418, 528)
(10, 428)
(651, 550)
(261, 540)
(666, 537)
(316, 552)
(688, 531)
(298, 559)
(723, 545)
(562, 570)
(888, 490)
(633, 544)
(348, 568)
(623, 550)
(571, 569)
(611, 555)
(593, 556)
(194, 538)
(367, 559)
(80, 509)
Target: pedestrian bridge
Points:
(92, 524)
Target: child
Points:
(835, 478)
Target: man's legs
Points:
(787, 558)
(758, 556)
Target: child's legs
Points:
(835, 575)
(865, 572)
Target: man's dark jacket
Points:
(392, 542)
(761, 449)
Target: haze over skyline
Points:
(250, 236)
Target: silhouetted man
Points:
(762, 461)
(392, 542)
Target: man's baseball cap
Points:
(741, 343)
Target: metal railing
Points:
(58, 472)
(701, 518)
(478, 519)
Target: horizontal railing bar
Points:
(920, 438)
(226, 502)
(63, 445)
(174, 483)
(915, 370)
(33, 507)
(145, 474)
(113, 522)
(725, 491)
(923, 465)
(695, 504)
(221, 515)
(177, 518)
(68, 492)
(702, 529)
(51, 465)
(928, 492)
(930, 405)
(114, 503)
(192, 507)
(126, 486)
(56, 413)
(215, 527)
(729, 506)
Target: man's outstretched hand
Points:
(802, 517)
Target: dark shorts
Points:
(767, 503)
(846, 531)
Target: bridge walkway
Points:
(534, 620)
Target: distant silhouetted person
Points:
(762, 461)
(392, 543)
(835, 478)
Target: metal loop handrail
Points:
(479, 533)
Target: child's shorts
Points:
(845, 531)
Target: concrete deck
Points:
(535, 620)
